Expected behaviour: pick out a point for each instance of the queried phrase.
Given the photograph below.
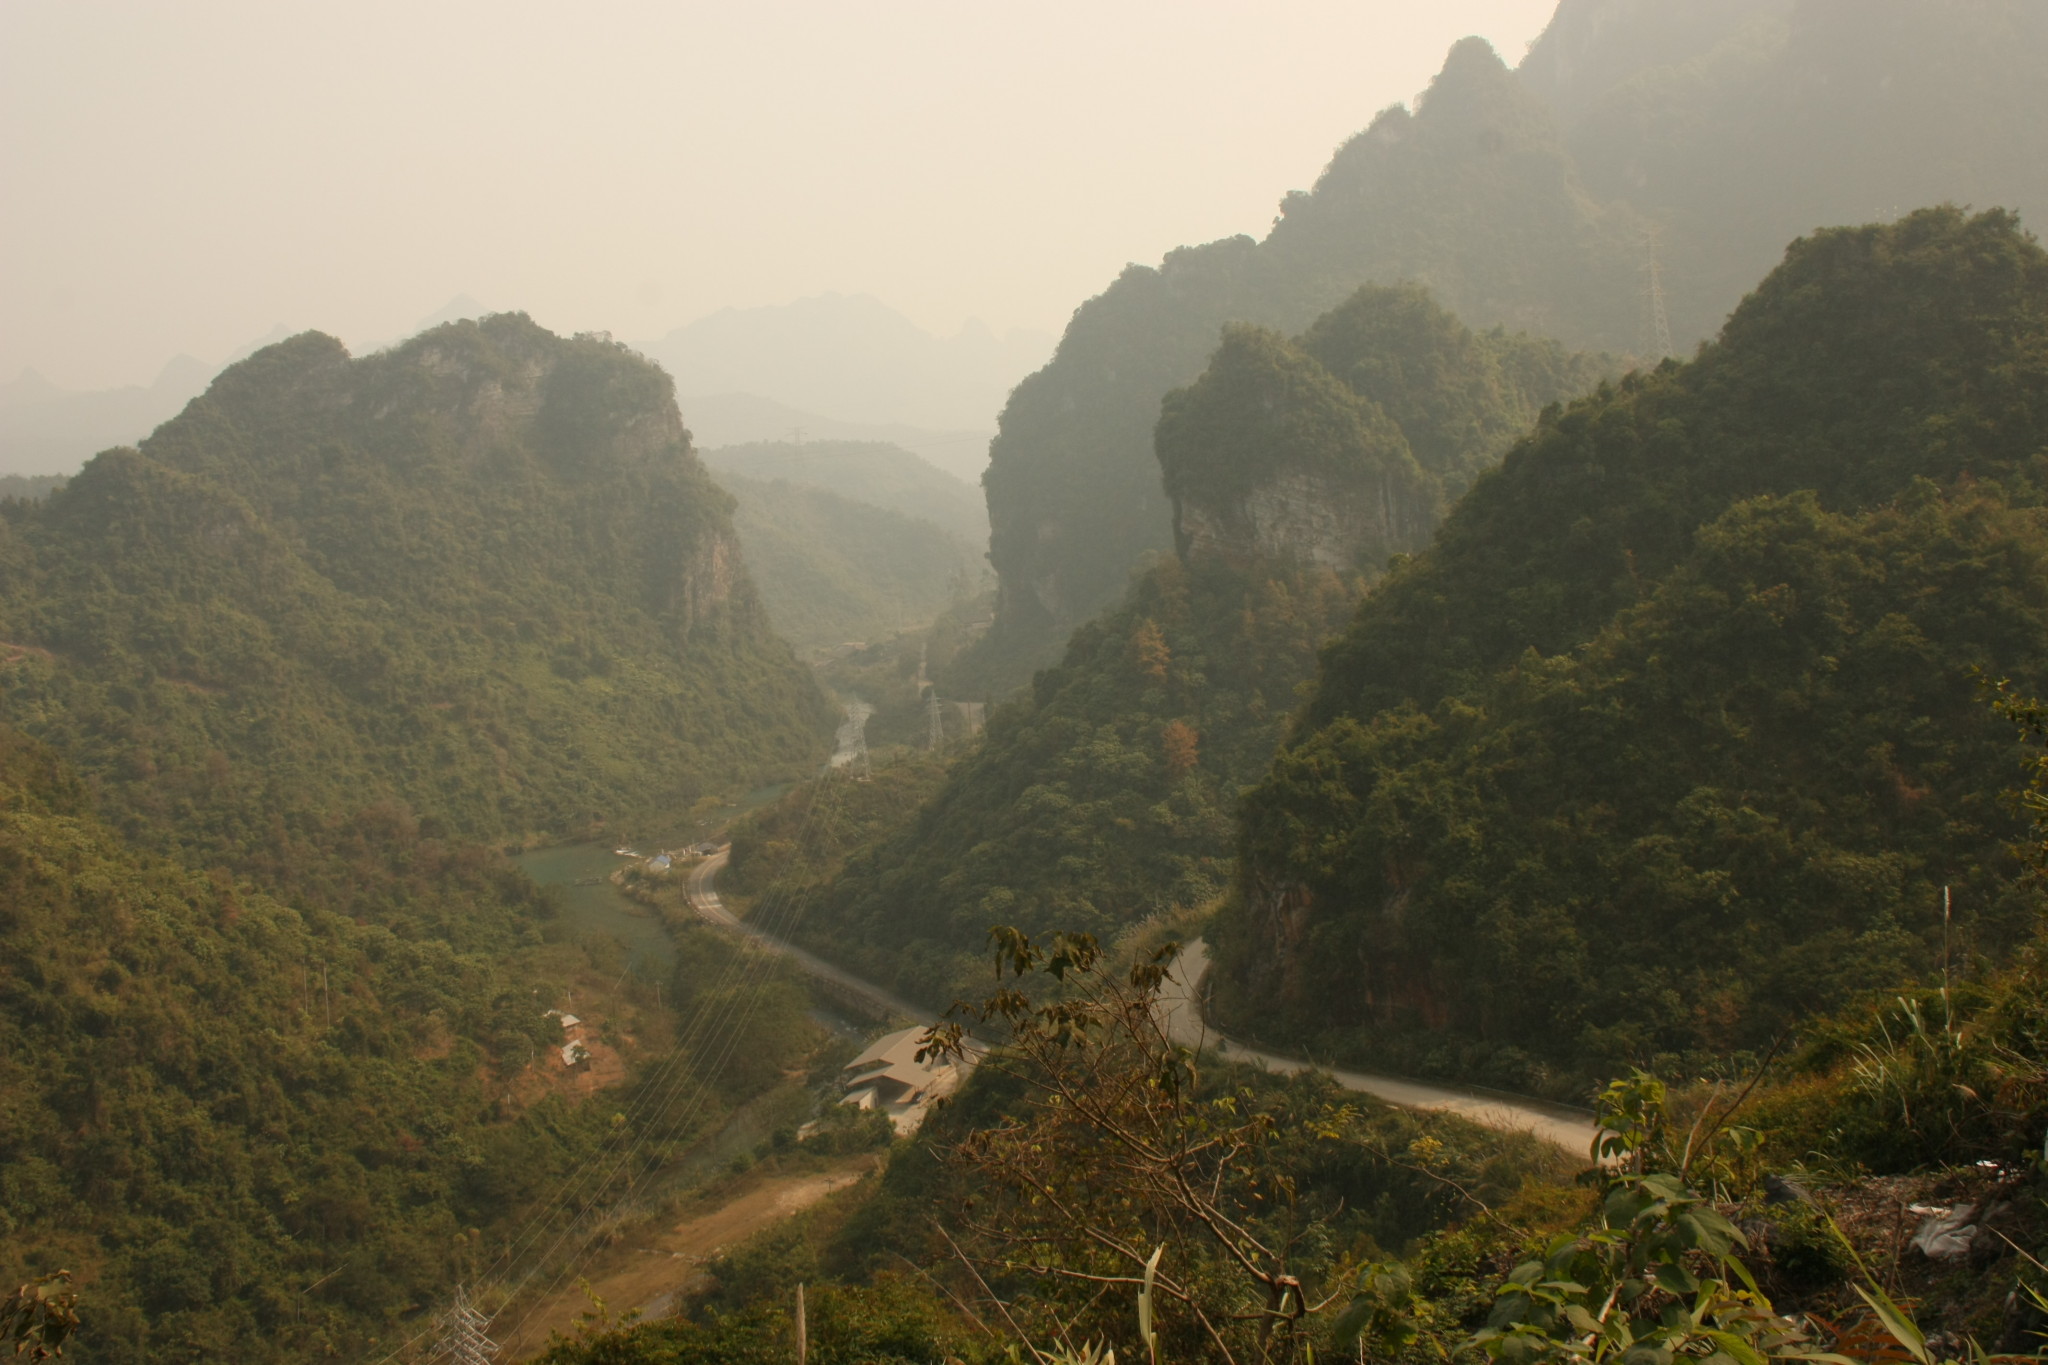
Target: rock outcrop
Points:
(1267, 457)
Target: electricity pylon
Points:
(462, 1334)
(936, 713)
(1659, 319)
(857, 714)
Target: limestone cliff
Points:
(1341, 449)
(1269, 457)
(1308, 519)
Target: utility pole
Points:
(462, 1334)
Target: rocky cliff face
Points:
(1313, 520)
(1335, 451)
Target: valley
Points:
(1461, 780)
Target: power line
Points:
(462, 1334)
(739, 988)
(710, 1042)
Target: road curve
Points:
(1571, 1129)
(703, 894)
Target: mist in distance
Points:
(185, 180)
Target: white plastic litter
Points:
(1947, 1234)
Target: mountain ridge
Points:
(1547, 201)
(1697, 664)
(488, 536)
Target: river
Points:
(592, 905)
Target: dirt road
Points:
(653, 1269)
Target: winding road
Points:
(704, 900)
(1571, 1129)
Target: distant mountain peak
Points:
(28, 387)
(183, 374)
(853, 358)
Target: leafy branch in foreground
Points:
(1657, 1277)
(39, 1317)
(1120, 1151)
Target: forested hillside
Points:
(214, 1100)
(271, 1008)
(1642, 148)
(874, 472)
(1108, 794)
(478, 581)
(833, 569)
(260, 1132)
(1678, 731)
(1343, 448)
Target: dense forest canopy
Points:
(480, 577)
(1641, 149)
(276, 684)
(266, 1132)
(214, 1100)
(1676, 732)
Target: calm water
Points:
(592, 905)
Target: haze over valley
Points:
(1148, 682)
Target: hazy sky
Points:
(184, 176)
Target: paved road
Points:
(703, 894)
(1571, 1129)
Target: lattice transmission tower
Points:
(1656, 317)
(462, 1334)
(935, 714)
(854, 739)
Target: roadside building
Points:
(889, 1077)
